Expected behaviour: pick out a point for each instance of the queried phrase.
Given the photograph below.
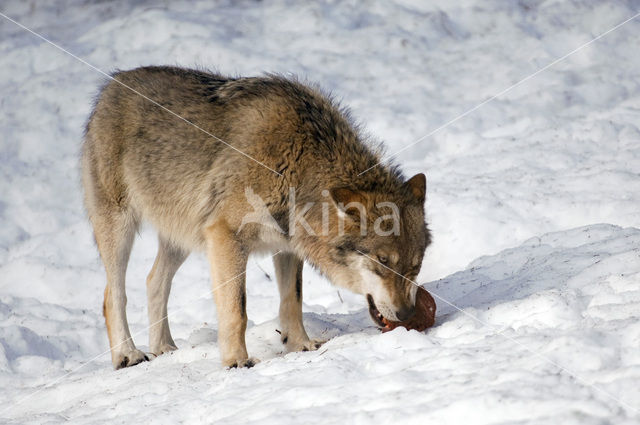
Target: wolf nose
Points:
(405, 313)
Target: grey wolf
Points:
(141, 163)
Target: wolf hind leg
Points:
(168, 260)
(289, 275)
(114, 230)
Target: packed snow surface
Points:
(533, 201)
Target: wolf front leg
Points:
(289, 275)
(228, 261)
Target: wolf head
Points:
(379, 249)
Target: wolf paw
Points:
(163, 348)
(303, 344)
(129, 358)
(250, 362)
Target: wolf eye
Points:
(383, 259)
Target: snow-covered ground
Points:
(533, 200)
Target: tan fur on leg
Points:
(289, 275)
(114, 235)
(228, 263)
(167, 262)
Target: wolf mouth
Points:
(377, 317)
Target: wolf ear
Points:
(343, 196)
(418, 186)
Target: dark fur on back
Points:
(327, 129)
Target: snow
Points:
(532, 199)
